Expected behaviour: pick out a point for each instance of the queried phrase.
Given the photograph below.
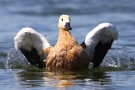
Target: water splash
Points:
(118, 58)
(15, 59)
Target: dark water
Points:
(117, 70)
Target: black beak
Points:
(68, 26)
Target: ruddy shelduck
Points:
(67, 54)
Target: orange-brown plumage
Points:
(67, 54)
(47, 50)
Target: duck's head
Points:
(64, 22)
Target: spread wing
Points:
(33, 45)
(99, 41)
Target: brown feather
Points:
(47, 50)
(67, 54)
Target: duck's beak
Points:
(67, 25)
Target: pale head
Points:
(64, 22)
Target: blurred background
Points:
(43, 15)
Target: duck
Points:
(67, 54)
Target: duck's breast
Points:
(72, 58)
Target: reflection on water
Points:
(94, 79)
(67, 79)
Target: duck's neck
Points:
(64, 35)
(65, 38)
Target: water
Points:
(117, 70)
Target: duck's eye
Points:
(61, 19)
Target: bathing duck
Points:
(67, 54)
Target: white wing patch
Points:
(28, 38)
(102, 33)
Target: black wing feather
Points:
(33, 57)
(100, 51)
